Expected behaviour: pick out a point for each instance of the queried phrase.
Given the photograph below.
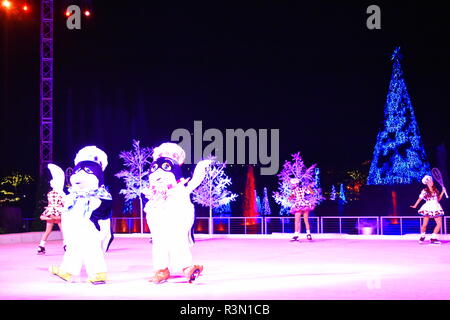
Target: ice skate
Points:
(58, 272)
(294, 238)
(422, 240)
(41, 250)
(160, 276)
(308, 237)
(99, 278)
(435, 241)
(193, 272)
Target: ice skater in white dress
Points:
(430, 209)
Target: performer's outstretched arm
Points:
(417, 202)
(442, 193)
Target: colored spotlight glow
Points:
(67, 13)
(87, 13)
(26, 8)
(6, 4)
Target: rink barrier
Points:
(355, 225)
(351, 225)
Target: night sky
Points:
(141, 69)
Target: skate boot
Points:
(160, 276)
(294, 238)
(41, 250)
(434, 241)
(422, 240)
(60, 273)
(98, 278)
(191, 273)
(308, 236)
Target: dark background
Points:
(141, 69)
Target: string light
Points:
(6, 4)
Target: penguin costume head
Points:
(165, 170)
(90, 162)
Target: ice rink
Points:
(242, 269)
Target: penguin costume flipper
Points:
(111, 233)
(101, 218)
(108, 235)
(103, 212)
(199, 174)
(58, 177)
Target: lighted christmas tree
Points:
(399, 156)
(258, 203)
(342, 197)
(341, 200)
(249, 206)
(318, 192)
(317, 177)
(266, 205)
(333, 193)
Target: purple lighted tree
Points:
(296, 169)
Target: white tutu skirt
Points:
(431, 208)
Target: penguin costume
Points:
(170, 212)
(86, 219)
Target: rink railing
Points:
(376, 225)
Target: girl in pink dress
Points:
(302, 206)
(430, 209)
(52, 213)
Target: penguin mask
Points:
(165, 171)
(87, 176)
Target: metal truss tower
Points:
(46, 86)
